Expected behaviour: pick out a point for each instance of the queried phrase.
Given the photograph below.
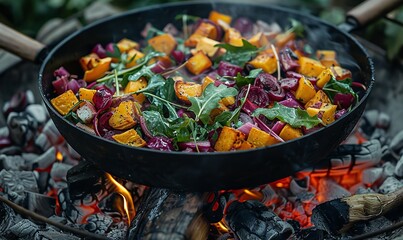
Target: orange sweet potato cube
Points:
(123, 116)
(198, 63)
(259, 40)
(99, 70)
(233, 37)
(324, 77)
(132, 56)
(305, 90)
(283, 38)
(184, 90)
(265, 61)
(130, 137)
(327, 57)
(165, 43)
(328, 111)
(206, 81)
(245, 145)
(134, 86)
(288, 133)
(125, 45)
(207, 46)
(320, 97)
(86, 94)
(310, 67)
(227, 138)
(64, 102)
(261, 138)
(204, 30)
(215, 16)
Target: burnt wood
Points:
(165, 214)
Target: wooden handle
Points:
(19, 44)
(371, 10)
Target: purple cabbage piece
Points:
(269, 84)
(277, 127)
(288, 63)
(256, 96)
(291, 102)
(249, 107)
(203, 146)
(179, 56)
(61, 72)
(243, 25)
(100, 51)
(289, 83)
(343, 100)
(73, 85)
(245, 128)
(340, 113)
(245, 118)
(160, 143)
(60, 84)
(228, 69)
(102, 98)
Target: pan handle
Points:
(19, 44)
(370, 10)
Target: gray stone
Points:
(371, 175)
(383, 120)
(38, 112)
(399, 167)
(396, 144)
(391, 184)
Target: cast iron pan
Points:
(201, 171)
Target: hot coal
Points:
(39, 203)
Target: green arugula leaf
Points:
(154, 83)
(297, 27)
(245, 80)
(145, 71)
(334, 86)
(157, 124)
(294, 116)
(167, 91)
(203, 105)
(238, 55)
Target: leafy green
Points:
(296, 27)
(245, 80)
(203, 105)
(335, 86)
(145, 71)
(294, 116)
(238, 55)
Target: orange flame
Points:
(59, 156)
(128, 205)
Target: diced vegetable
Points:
(206, 81)
(283, 38)
(320, 97)
(184, 90)
(123, 117)
(341, 73)
(229, 139)
(233, 37)
(89, 61)
(324, 77)
(216, 16)
(130, 137)
(305, 90)
(245, 145)
(86, 94)
(259, 40)
(205, 29)
(207, 46)
(132, 56)
(261, 138)
(163, 43)
(328, 112)
(265, 61)
(86, 112)
(198, 63)
(310, 67)
(134, 86)
(98, 71)
(64, 102)
(125, 45)
(289, 133)
(327, 57)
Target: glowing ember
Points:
(59, 156)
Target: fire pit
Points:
(48, 191)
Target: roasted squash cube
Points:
(86, 94)
(310, 67)
(245, 145)
(233, 37)
(99, 70)
(265, 61)
(312, 111)
(305, 91)
(261, 138)
(228, 138)
(207, 46)
(132, 56)
(215, 16)
(341, 73)
(123, 116)
(259, 40)
(289, 133)
(203, 30)
(89, 61)
(327, 57)
(64, 102)
(165, 43)
(130, 137)
(206, 81)
(327, 112)
(228, 101)
(319, 98)
(134, 86)
(184, 90)
(126, 45)
(324, 77)
(283, 38)
(198, 63)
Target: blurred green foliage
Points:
(28, 15)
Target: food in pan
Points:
(219, 84)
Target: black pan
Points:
(204, 171)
